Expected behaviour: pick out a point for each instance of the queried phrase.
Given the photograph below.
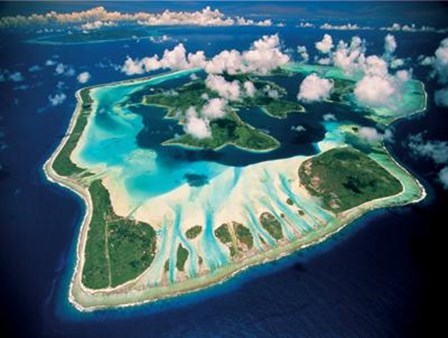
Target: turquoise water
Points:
(110, 146)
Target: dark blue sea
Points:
(379, 277)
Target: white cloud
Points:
(264, 56)
(378, 88)
(313, 88)
(374, 91)
(426, 60)
(159, 38)
(329, 117)
(443, 177)
(50, 62)
(97, 25)
(325, 45)
(351, 57)
(240, 21)
(441, 97)
(83, 77)
(372, 135)
(324, 61)
(195, 126)
(214, 109)
(175, 58)
(390, 44)
(228, 90)
(302, 51)
(249, 88)
(397, 63)
(345, 27)
(413, 28)
(270, 92)
(440, 70)
(16, 77)
(98, 17)
(34, 68)
(227, 61)
(435, 150)
(57, 99)
(306, 25)
(131, 67)
(6, 75)
(440, 63)
(66, 70)
(299, 128)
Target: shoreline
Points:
(223, 273)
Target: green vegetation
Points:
(117, 249)
(244, 235)
(289, 201)
(96, 267)
(62, 164)
(230, 129)
(224, 236)
(166, 266)
(182, 255)
(281, 108)
(182, 98)
(341, 87)
(193, 232)
(272, 225)
(344, 178)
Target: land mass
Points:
(201, 233)
(230, 129)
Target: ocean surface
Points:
(379, 277)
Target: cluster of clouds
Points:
(6, 75)
(59, 69)
(313, 88)
(98, 24)
(377, 86)
(439, 64)
(413, 29)
(56, 99)
(344, 27)
(160, 38)
(62, 69)
(325, 45)
(197, 123)
(437, 151)
(303, 53)
(264, 56)
(83, 77)
(298, 128)
(99, 17)
(372, 135)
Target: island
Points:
(162, 221)
(79, 36)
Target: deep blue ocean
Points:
(379, 277)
